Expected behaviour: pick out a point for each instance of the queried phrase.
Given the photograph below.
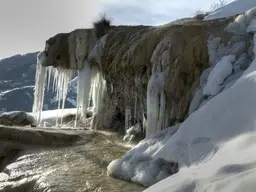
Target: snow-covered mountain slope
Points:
(17, 83)
(235, 8)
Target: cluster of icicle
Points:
(156, 104)
(90, 85)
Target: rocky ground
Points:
(36, 159)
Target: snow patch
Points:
(139, 166)
(217, 76)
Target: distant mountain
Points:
(17, 82)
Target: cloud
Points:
(152, 12)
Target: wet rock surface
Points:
(33, 165)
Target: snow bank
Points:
(240, 25)
(215, 147)
(139, 166)
(50, 117)
(232, 169)
(234, 8)
(217, 76)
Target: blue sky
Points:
(26, 24)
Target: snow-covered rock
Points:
(139, 166)
(217, 76)
(132, 132)
(215, 146)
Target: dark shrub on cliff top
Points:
(102, 25)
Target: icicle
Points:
(60, 85)
(39, 87)
(49, 71)
(83, 90)
(127, 118)
(155, 104)
(97, 91)
(135, 107)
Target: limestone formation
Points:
(127, 56)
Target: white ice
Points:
(90, 85)
(217, 76)
(155, 104)
(132, 132)
(40, 87)
(239, 26)
(138, 165)
(83, 89)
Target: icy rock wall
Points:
(227, 64)
(198, 140)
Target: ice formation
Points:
(98, 89)
(138, 165)
(83, 89)
(132, 132)
(240, 25)
(90, 85)
(214, 146)
(217, 76)
(62, 77)
(39, 88)
(155, 104)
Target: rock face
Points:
(128, 56)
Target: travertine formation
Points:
(128, 56)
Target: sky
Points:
(25, 25)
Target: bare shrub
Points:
(102, 25)
(218, 4)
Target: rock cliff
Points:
(128, 56)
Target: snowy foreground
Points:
(214, 148)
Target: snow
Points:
(234, 8)
(49, 117)
(240, 25)
(155, 104)
(139, 166)
(217, 76)
(214, 147)
(132, 132)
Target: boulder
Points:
(16, 118)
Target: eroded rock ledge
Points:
(127, 56)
